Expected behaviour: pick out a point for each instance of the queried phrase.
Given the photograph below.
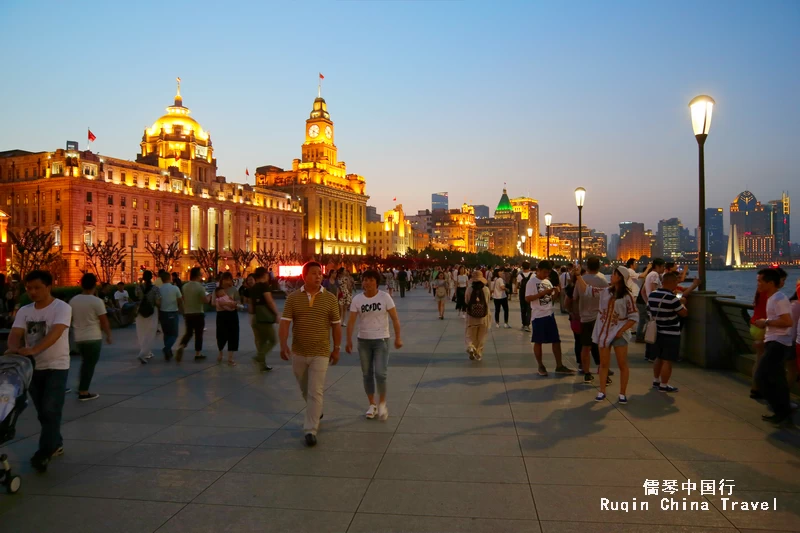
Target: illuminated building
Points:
(372, 214)
(422, 223)
(733, 256)
(528, 208)
(334, 202)
(715, 236)
(669, 237)
(758, 248)
(392, 236)
(749, 216)
(558, 247)
(481, 211)
(567, 234)
(170, 194)
(634, 241)
(439, 200)
(504, 229)
(454, 229)
(781, 212)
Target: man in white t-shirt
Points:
(770, 375)
(373, 309)
(540, 293)
(652, 281)
(89, 322)
(41, 330)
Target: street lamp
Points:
(523, 245)
(701, 108)
(548, 218)
(580, 196)
(530, 239)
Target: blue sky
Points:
(434, 96)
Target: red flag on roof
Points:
(247, 172)
(321, 76)
(92, 136)
(394, 199)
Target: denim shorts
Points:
(622, 341)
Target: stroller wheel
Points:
(14, 484)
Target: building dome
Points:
(320, 109)
(746, 201)
(504, 206)
(177, 118)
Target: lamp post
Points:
(548, 218)
(523, 245)
(701, 108)
(580, 196)
(530, 240)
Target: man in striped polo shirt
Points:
(312, 313)
(666, 308)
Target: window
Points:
(110, 237)
(111, 218)
(88, 215)
(122, 239)
(147, 181)
(147, 205)
(26, 173)
(135, 220)
(122, 177)
(135, 203)
(110, 175)
(177, 208)
(89, 197)
(158, 206)
(56, 169)
(26, 198)
(122, 202)
(175, 225)
(146, 221)
(58, 215)
(110, 199)
(122, 218)
(135, 240)
(158, 222)
(87, 238)
(57, 236)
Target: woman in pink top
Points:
(226, 301)
(617, 315)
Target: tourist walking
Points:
(440, 292)
(540, 293)
(41, 331)
(226, 301)
(500, 297)
(617, 315)
(667, 310)
(263, 315)
(771, 373)
(146, 317)
(402, 282)
(171, 304)
(462, 279)
(388, 276)
(346, 287)
(313, 314)
(523, 278)
(195, 298)
(477, 311)
(89, 323)
(370, 311)
(331, 284)
(757, 333)
(588, 307)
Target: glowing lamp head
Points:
(523, 239)
(530, 232)
(580, 196)
(548, 218)
(701, 108)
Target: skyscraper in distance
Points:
(482, 211)
(781, 211)
(439, 200)
(715, 237)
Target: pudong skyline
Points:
(532, 109)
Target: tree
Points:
(267, 258)
(208, 260)
(33, 250)
(105, 259)
(242, 259)
(164, 257)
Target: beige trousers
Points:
(476, 332)
(310, 373)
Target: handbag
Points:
(651, 330)
(264, 315)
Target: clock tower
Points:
(319, 147)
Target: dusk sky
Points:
(434, 96)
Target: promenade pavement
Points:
(484, 447)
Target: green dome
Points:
(504, 206)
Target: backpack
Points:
(146, 308)
(523, 283)
(477, 307)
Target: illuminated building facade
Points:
(634, 241)
(758, 248)
(528, 209)
(715, 236)
(454, 229)
(334, 202)
(170, 194)
(669, 237)
(392, 236)
(439, 200)
(781, 218)
(749, 216)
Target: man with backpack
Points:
(477, 298)
(523, 278)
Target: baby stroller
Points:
(16, 372)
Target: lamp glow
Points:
(548, 218)
(530, 232)
(701, 108)
(580, 196)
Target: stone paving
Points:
(469, 447)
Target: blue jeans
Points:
(169, 326)
(47, 391)
(374, 355)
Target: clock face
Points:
(313, 131)
(328, 132)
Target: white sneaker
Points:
(497, 325)
(373, 409)
(383, 412)
(507, 326)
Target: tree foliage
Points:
(208, 260)
(242, 259)
(105, 259)
(164, 257)
(33, 249)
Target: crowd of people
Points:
(604, 316)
